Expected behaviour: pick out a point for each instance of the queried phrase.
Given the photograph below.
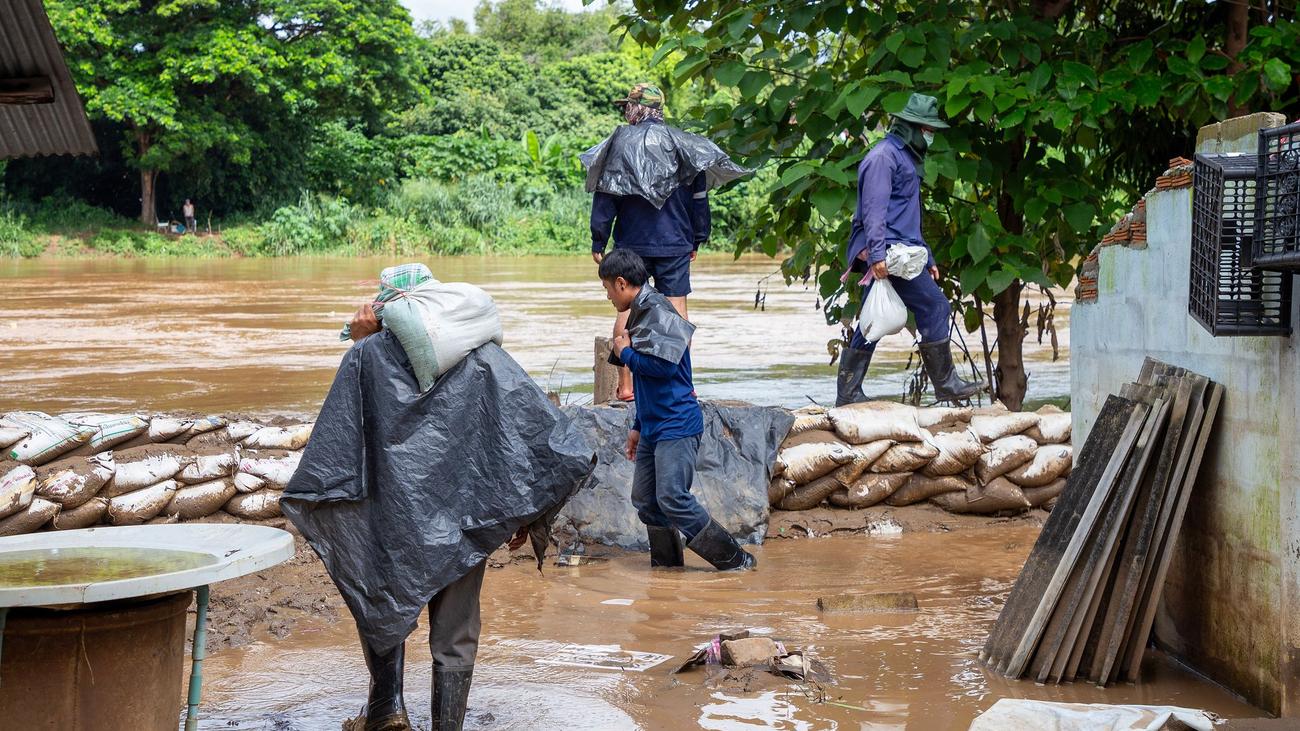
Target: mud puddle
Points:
(915, 672)
(259, 336)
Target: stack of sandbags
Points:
(60, 473)
(965, 460)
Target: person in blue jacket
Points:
(889, 213)
(665, 435)
(666, 238)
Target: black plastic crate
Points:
(1225, 294)
(1277, 208)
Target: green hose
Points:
(198, 651)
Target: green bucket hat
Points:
(922, 109)
(647, 95)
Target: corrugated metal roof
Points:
(28, 48)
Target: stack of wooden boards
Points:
(1085, 602)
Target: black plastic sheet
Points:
(654, 160)
(402, 493)
(656, 329)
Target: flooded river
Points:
(904, 671)
(259, 336)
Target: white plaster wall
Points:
(1234, 571)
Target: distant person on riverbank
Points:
(651, 184)
(188, 211)
(889, 214)
(665, 436)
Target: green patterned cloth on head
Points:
(394, 282)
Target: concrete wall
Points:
(1231, 604)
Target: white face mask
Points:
(928, 136)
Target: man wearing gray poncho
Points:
(403, 494)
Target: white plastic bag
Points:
(905, 261)
(883, 312)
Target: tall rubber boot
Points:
(450, 697)
(385, 710)
(937, 357)
(853, 369)
(665, 547)
(715, 545)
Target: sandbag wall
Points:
(83, 469)
(964, 460)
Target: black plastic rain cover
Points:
(653, 160)
(656, 329)
(402, 493)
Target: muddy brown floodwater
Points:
(259, 336)
(915, 672)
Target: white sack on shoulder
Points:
(439, 323)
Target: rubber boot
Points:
(937, 357)
(665, 547)
(715, 545)
(853, 369)
(385, 710)
(450, 697)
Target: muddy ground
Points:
(270, 604)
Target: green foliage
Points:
(544, 32)
(1051, 117)
(344, 161)
(317, 223)
(16, 240)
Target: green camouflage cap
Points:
(647, 95)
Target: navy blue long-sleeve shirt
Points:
(666, 407)
(676, 229)
(889, 202)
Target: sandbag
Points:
(870, 489)
(777, 489)
(11, 435)
(439, 323)
(863, 456)
(810, 418)
(920, 487)
(906, 457)
(999, 495)
(276, 470)
(1038, 496)
(807, 462)
(37, 514)
(872, 421)
(943, 416)
(279, 437)
(992, 427)
(1050, 503)
(47, 436)
(82, 516)
(241, 430)
(204, 425)
(958, 452)
(245, 482)
(137, 506)
(110, 429)
(142, 472)
(208, 467)
(201, 500)
(1050, 462)
(71, 482)
(812, 436)
(1004, 455)
(810, 495)
(17, 490)
(1050, 429)
(259, 505)
(163, 428)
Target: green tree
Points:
(183, 76)
(1060, 110)
(544, 32)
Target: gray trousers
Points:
(454, 622)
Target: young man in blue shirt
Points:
(667, 238)
(665, 435)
